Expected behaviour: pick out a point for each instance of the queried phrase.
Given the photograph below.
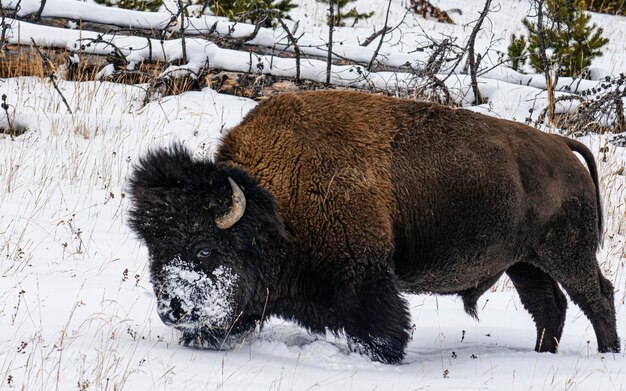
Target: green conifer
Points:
(139, 5)
(341, 16)
(234, 9)
(517, 49)
(571, 41)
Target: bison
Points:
(322, 207)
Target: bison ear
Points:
(164, 168)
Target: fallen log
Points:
(21, 60)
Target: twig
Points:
(544, 59)
(437, 57)
(601, 109)
(331, 27)
(438, 83)
(258, 24)
(4, 26)
(380, 43)
(5, 107)
(181, 12)
(50, 74)
(510, 59)
(372, 37)
(205, 5)
(473, 64)
(149, 49)
(563, 98)
(116, 56)
(166, 78)
(620, 121)
(296, 48)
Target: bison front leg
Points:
(374, 316)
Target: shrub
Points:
(571, 42)
(139, 5)
(252, 10)
(601, 109)
(341, 15)
(517, 50)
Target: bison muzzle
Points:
(322, 207)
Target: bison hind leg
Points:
(470, 296)
(543, 299)
(593, 293)
(567, 253)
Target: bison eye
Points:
(204, 253)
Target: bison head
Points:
(215, 241)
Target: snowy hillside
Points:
(77, 310)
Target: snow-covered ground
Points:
(76, 306)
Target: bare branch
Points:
(181, 13)
(37, 15)
(265, 13)
(510, 59)
(380, 43)
(331, 28)
(4, 25)
(4, 105)
(46, 64)
(374, 35)
(601, 109)
(296, 48)
(544, 58)
(473, 64)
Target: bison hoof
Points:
(615, 348)
(377, 349)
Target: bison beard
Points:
(322, 207)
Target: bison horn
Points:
(236, 210)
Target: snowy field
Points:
(76, 306)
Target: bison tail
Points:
(580, 148)
(469, 305)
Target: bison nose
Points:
(170, 310)
(176, 308)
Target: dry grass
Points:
(21, 60)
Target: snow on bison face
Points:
(214, 242)
(189, 297)
(199, 303)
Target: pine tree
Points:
(234, 9)
(570, 39)
(341, 15)
(517, 49)
(140, 5)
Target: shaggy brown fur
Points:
(446, 200)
